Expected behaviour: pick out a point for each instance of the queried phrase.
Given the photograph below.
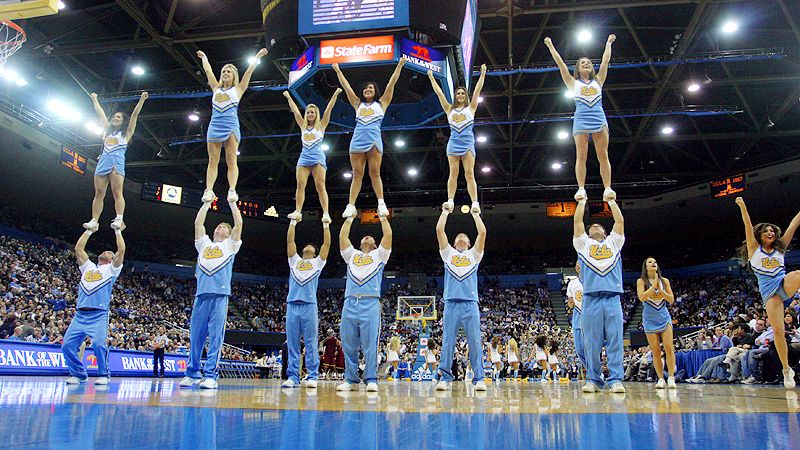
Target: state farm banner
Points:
(422, 56)
(301, 66)
(27, 358)
(356, 50)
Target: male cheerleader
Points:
(361, 313)
(210, 309)
(91, 314)
(575, 302)
(461, 298)
(301, 305)
(601, 316)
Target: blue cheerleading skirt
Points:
(656, 320)
(312, 157)
(588, 121)
(364, 138)
(221, 127)
(459, 145)
(109, 161)
(772, 286)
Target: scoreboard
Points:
(332, 16)
(597, 210)
(728, 186)
(192, 198)
(73, 160)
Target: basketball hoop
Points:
(12, 36)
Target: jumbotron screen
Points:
(331, 16)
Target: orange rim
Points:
(16, 28)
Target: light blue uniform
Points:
(770, 272)
(312, 153)
(461, 309)
(462, 138)
(113, 157)
(655, 315)
(224, 115)
(361, 313)
(589, 115)
(575, 291)
(601, 315)
(91, 318)
(210, 309)
(367, 133)
(301, 315)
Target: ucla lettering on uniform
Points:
(600, 251)
(304, 265)
(212, 252)
(461, 261)
(92, 275)
(362, 260)
(366, 111)
(222, 97)
(770, 262)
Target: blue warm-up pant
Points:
(458, 313)
(302, 320)
(601, 322)
(92, 323)
(209, 314)
(361, 326)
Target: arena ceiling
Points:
(91, 46)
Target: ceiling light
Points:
(482, 139)
(61, 5)
(693, 87)
(730, 27)
(413, 172)
(480, 99)
(253, 60)
(10, 75)
(569, 94)
(238, 152)
(137, 70)
(399, 143)
(667, 130)
(347, 175)
(555, 166)
(194, 117)
(584, 36)
(563, 135)
(21, 82)
(325, 147)
(486, 169)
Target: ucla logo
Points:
(579, 296)
(362, 260)
(598, 251)
(112, 140)
(308, 137)
(460, 261)
(304, 265)
(770, 263)
(366, 111)
(92, 275)
(212, 252)
(588, 90)
(459, 117)
(222, 97)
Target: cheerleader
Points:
(494, 356)
(552, 359)
(590, 120)
(111, 163)
(765, 248)
(312, 157)
(461, 146)
(655, 292)
(540, 355)
(367, 143)
(430, 358)
(223, 130)
(393, 354)
(511, 355)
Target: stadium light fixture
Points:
(562, 135)
(399, 143)
(137, 70)
(730, 27)
(555, 166)
(412, 172)
(584, 35)
(486, 169)
(667, 129)
(693, 87)
(482, 139)
(325, 147)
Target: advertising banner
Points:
(422, 56)
(356, 50)
(301, 66)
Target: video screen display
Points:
(326, 16)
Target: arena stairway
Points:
(633, 323)
(559, 310)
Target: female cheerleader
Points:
(513, 360)
(495, 349)
(655, 292)
(111, 163)
(552, 359)
(312, 158)
(393, 354)
(461, 146)
(223, 130)
(430, 359)
(765, 248)
(589, 116)
(367, 144)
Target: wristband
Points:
(292, 222)
(118, 232)
(612, 202)
(326, 225)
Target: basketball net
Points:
(12, 36)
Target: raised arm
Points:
(298, 116)
(351, 95)
(603, 72)
(245, 81)
(386, 228)
(326, 242)
(119, 256)
(135, 116)
(438, 91)
(480, 242)
(786, 239)
(476, 94)
(200, 221)
(326, 116)
(562, 67)
(388, 94)
(80, 248)
(238, 222)
(579, 228)
(749, 236)
(212, 79)
(344, 234)
(619, 221)
(291, 247)
(441, 236)
(101, 115)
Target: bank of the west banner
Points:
(26, 358)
